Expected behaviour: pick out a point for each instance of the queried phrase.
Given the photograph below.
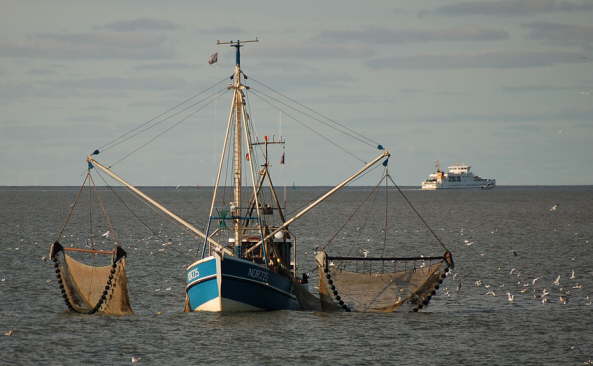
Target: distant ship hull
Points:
(230, 284)
(457, 177)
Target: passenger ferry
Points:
(457, 176)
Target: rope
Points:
(418, 214)
(129, 209)
(352, 215)
(352, 133)
(129, 134)
(105, 215)
(167, 129)
(307, 126)
(72, 208)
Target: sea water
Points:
(522, 240)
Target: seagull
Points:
(553, 208)
(468, 243)
(510, 297)
(364, 252)
(490, 292)
(478, 283)
(563, 299)
(9, 333)
(578, 285)
(545, 300)
(105, 234)
(545, 293)
(534, 281)
(512, 270)
(572, 276)
(557, 281)
(136, 359)
(588, 301)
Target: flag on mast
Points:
(213, 58)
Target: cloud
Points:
(165, 66)
(102, 45)
(562, 34)
(572, 114)
(512, 7)
(386, 36)
(299, 51)
(547, 88)
(42, 72)
(120, 83)
(140, 24)
(224, 30)
(489, 59)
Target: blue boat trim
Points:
(200, 280)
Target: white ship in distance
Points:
(457, 176)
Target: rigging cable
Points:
(418, 214)
(130, 133)
(169, 128)
(306, 126)
(123, 202)
(352, 133)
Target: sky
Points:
(505, 86)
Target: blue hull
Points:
(231, 284)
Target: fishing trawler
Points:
(458, 176)
(247, 259)
(247, 256)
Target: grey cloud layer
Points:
(513, 7)
(140, 24)
(562, 34)
(490, 59)
(98, 45)
(386, 36)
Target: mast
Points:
(238, 103)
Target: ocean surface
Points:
(526, 241)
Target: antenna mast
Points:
(238, 104)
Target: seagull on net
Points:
(554, 208)
(572, 276)
(557, 281)
(490, 292)
(510, 297)
(534, 281)
(136, 359)
(106, 234)
(563, 299)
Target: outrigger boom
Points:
(181, 221)
(385, 154)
